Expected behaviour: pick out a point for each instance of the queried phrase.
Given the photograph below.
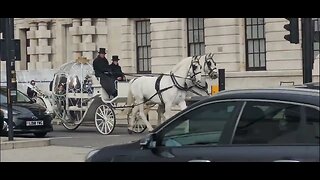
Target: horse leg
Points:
(160, 112)
(133, 115)
(183, 105)
(167, 113)
(144, 118)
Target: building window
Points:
(255, 44)
(143, 46)
(316, 25)
(196, 42)
(26, 50)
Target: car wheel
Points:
(40, 134)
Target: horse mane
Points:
(180, 64)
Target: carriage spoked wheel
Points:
(105, 119)
(74, 123)
(138, 124)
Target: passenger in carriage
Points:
(103, 71)
(61, 89)
(116, 70)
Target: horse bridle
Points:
(207, 62)
(194, 60)
(192, 77)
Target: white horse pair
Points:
(170, 89)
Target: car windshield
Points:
(21, 98)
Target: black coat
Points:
(102, 68)
(31, 93)
(116, 71)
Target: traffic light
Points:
(293, 28)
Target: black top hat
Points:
(115, 58)
(102, 51)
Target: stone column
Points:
(33, 44)
(60, 47)
(87, 30)
(128, 55)
(242, 45)
(53, 55)
(101, 31)
(43, 34)
(76, 38)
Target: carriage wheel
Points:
(72, 125)
(138, 124)
(105, 119)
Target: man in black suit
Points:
(103, 71)
(31, 93)
(116, 69)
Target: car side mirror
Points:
(149, 142)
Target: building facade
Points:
(251, 50)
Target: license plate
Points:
(34, 123)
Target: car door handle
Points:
(199, 160)
(286, 160)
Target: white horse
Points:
(195, 89)
(171, 89)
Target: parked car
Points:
(276, 125)
(28, 117)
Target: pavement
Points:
(61, 145)
(45, 154)
(5, 144)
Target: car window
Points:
(270, 123)
(201, 126)
(309, 132)
(21, 98)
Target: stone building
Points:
(251, 50)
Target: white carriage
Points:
(78, 97)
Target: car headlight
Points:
(5, 126)
(47, 112)
(90, 154)
(5, 113)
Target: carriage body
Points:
(77, 97)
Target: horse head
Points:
(195, 70)
(210, 66)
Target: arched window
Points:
(196, 44)
(255, 44)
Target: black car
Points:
(28, 117)
(260, 125)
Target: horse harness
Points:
(175, 82)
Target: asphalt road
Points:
(89, 137)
